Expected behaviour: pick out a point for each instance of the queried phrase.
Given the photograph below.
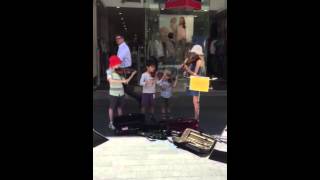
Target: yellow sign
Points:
(198, 83)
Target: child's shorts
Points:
(116, 102)
(165, 101)
(148, 99)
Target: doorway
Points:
(129, 22)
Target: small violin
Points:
(123, 71)
(153, 74)
(192, 58)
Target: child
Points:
(148, 84)
(116, 91)
(166, 83)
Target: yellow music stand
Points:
(199, 83)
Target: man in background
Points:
(126, 62)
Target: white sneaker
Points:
(111, 126)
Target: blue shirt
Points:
(166, 88)
(124, 55)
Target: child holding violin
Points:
(148, 83)
(166, 83)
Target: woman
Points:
(173, 26)
(181, 34)
(194, 66)
(181, 40)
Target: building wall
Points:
(95, 61)
(103, 25)
(120, 3)
(218, 5)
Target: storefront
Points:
(173, 28)
(159, 31)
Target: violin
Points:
(153, 74)
(160, 74)
(124, 71)
(192, 58)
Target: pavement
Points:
(136, 158)
(213, 110)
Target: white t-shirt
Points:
(147, 88)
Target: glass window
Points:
(172, 32)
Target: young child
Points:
(166, 83)
(116, 91)
(148, 83)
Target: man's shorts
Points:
(116, 102)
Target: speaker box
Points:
(98, 138)
(217, 155)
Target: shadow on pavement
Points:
(213, 113)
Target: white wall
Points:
(218, 5)
(115, 3)
(94, 45)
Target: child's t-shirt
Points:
(166, 88)
(116, 89)
(147, 88)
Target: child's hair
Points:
(170, 79)
(151, 63)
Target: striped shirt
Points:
(116, 89)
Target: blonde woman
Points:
(194, 66)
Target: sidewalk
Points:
(213, 113)
(136, 158)
(98, 94)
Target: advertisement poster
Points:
(180, 25)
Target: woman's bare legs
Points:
(196, 106)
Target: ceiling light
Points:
(118, 7)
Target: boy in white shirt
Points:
(148, 83)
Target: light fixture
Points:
(120, 13)
(205, 10)
(118, 7)
(162, 9)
